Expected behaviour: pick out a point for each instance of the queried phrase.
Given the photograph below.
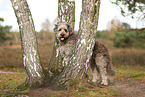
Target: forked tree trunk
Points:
(66, 13)
(36, 75)
(78, 63)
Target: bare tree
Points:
(36, 74)
(125, 26)
(46, 25)
(45, 32)
(114, 25)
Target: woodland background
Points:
(126, 45)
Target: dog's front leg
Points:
(94, 70)
(102, 66)
(96, 76)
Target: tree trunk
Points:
(79, 61)
(36, 74)
(66, 13)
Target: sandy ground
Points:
(129, 87)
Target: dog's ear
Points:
(56, 27)
(69, 28)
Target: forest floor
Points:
(129, 65)
(130, 86)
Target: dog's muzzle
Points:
(62, 37)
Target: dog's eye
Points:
(59, 30)
(65, 30)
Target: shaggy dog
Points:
(100, 61)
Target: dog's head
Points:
(63, 31)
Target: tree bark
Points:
(79, 61)
(36, 74)
(66, 13)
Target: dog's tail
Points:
(110, 69)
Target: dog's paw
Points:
(104, 82)
(94, 80)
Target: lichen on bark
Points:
(79, 61)
(36, 74)
(66, 13)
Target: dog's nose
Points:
(62, 34)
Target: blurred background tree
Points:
(130, 37)
(3, 31)
(113, 26)
(46, 25)
(122, 35)
(125, 26)
(45, 33)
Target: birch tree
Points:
(66, 13)
(36, 74)
(78, 63)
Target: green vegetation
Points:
(77, 88)
(101, 34)
(126, 38)
(136, 72)
(8, 82)
(129, 39)
(132, 8)
(3, 31)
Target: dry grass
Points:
(125, 56)
(11, 57)
(128, 63)
(128, 56)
